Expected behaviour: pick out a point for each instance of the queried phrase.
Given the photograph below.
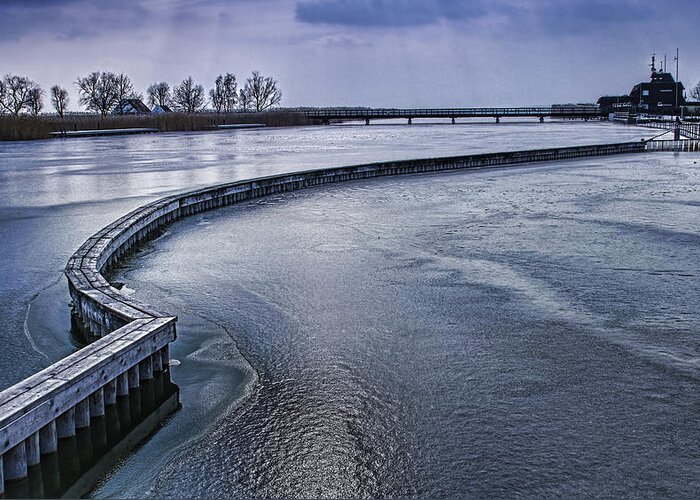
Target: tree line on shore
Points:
(104, 92)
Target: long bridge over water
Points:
(574, 111)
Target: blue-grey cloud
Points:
(68, 19)
(548, 16)
(30, 4)
(386, 12)
(581, 16)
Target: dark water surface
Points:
(528, 331)
(510, 331)
(54, 194)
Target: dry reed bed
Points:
(23, 128)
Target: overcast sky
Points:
(360, 52)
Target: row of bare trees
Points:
(106, 92)
(257, 94)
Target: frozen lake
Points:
(526, 330)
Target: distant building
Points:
(610, 102)
(692, 108)
(161, 109)
(131, 107)
(661, 94)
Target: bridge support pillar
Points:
(366, 121)
(541, 119)
(453, 121)
(498, 119)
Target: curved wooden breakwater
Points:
(129, 340)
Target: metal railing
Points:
(689, 130)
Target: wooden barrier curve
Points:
(130, 339)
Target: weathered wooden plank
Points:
(14, 433)
(33, 383)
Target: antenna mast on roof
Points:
(677, 84)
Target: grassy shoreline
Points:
(25, 128)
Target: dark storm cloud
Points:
(549, 16)
(28, 4)
(67, 19)
(385, 12)
(581, 16)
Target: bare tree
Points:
(36, 101)
(244, 100)
(59, 99)
(216, 95)
(695, 92)
(159, 94)
(124, 90)
(16, 93)
(3, 94)
(263, 91)
(188, 96)
(98, 92)
(224, 94)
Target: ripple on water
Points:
(446, 335)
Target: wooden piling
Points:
(110, 392)
(15, 463)
(82, 414)
(123, 384)
(65, 424)
(33, 450)
(146, 369)
(134, 381)
(165, 357)
(97, 404)
(157, 361)
(48, 438)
